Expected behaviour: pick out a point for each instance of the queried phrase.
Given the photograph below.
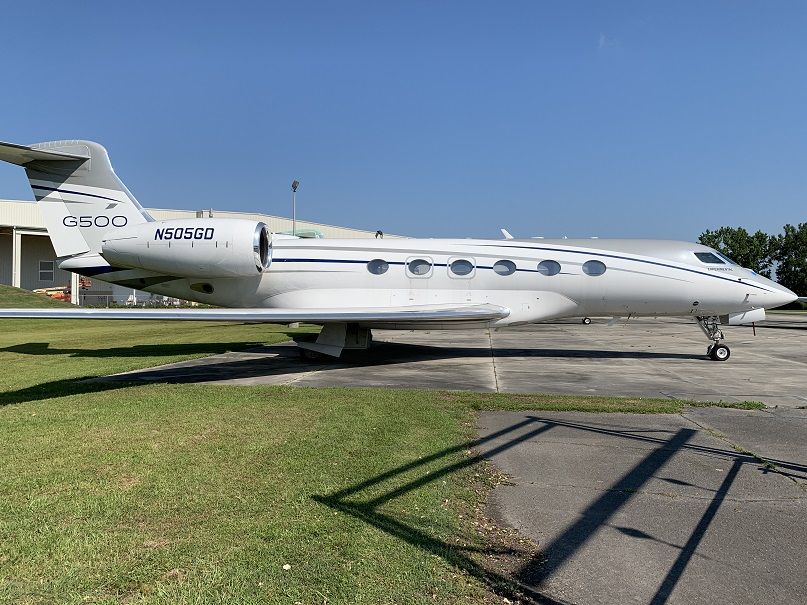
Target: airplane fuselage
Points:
(536, 279)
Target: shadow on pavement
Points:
(529, 582)
(599, 512)
(285, 359)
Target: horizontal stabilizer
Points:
(22, 154)
(430, 313)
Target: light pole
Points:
(294, 185)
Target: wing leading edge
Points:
(429, 313)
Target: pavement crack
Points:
(767, 464)
(298, 377)
(669, 495)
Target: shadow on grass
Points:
(61, 388)
(528, 582)
(367, 511)
(94, 384)
(149, 350)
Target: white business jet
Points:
(350, 286)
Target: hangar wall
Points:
(6, 248)
(37, 265)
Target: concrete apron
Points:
(650, 358)
(649, 508)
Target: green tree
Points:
(752, 251)
(791, 254)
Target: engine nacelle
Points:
(202, 247)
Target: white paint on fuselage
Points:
(643, 277)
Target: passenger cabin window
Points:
(504, 267)
(419, 267)
(549, 267)
(593, 268)
(709, 258)
(378, 266)
(461, 267)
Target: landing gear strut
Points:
(717, 351)
(334, 338)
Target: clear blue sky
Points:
(636, 119)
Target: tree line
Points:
(783, 255)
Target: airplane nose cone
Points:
(780, 296)
(775, 295)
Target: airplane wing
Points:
(413, 314)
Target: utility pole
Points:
(294, 185)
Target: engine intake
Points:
(260, 247)
(192, 247)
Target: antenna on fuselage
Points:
(506, 233)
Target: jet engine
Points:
(192, 247)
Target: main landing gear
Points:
(717, 351)
(333, 339)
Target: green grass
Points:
(51, 354)
(202, 494)
(159, 493)
(16, 298)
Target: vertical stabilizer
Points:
(80, 196)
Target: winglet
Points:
(506, 233)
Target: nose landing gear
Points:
(717, 351)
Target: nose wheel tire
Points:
(586, 321)
(718, 352)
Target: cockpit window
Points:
(710, 258)
(727, 259)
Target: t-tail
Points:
(81, 197)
